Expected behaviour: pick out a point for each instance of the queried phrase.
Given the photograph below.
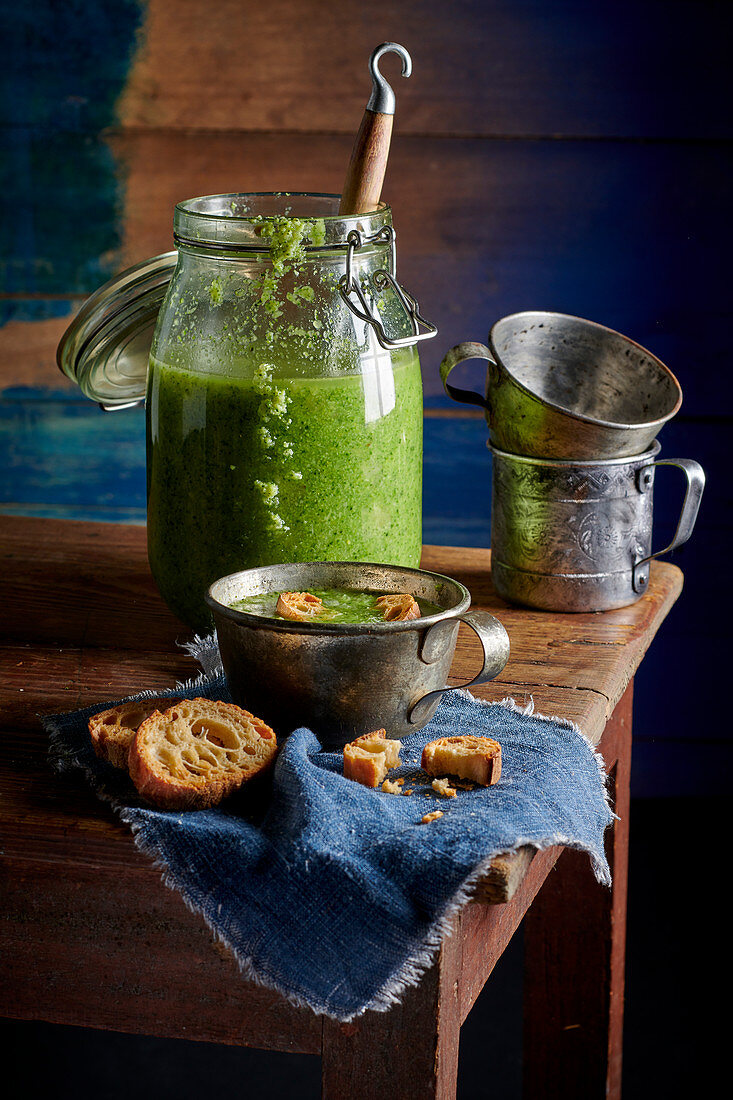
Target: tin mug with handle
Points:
(561, 387)
(576, 536)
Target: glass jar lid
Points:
(106, 347)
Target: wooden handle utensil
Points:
(368, 164)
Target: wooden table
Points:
(91, 937)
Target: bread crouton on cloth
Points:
(295, 877)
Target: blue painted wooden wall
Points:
(546, 155)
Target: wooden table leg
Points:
(575, 938)
(408, 1053)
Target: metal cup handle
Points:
(690, 505)
(494, 642)
(456, 355)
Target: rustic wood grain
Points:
(484, 930)
(71, 590)
(69, 677)
(362, 188)
(77, 948)
(410, 1051)
(480, 66)
(574, 958)
(83, 584)
(28, 355)
(484, 228)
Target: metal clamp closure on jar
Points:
(106, 348)
(349, 287)
(381, 279)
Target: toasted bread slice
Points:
(468, 757)
(112, 731)
(198, 752)
(298, 606)
(398, 606)
(368, 758)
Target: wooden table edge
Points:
(507, 870)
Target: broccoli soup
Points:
(279, 428)
(337, 605)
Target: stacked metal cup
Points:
(573, 410)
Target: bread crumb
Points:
(442, 786)
(390, 787)
(431, 817)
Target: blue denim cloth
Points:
(336, 895)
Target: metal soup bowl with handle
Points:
(344, 680)
(561, 387)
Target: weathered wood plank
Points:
(416, 1041)
(479, 67)
(136, 947)
(28, 353)
(82, 587)
(61, 636)
(70, 677)
(484, 930)
(67, 937)
(64, 192)
(574, 958)
(63, 73)
(45, 604)
(485, 228)
(62, 454)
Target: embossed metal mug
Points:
(561, 387)
(576, 536)
(343, 680)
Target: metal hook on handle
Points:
(382, 99)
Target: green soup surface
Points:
(340, 605)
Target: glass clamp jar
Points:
(283, 393)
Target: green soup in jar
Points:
(248, 472)
(279, 427)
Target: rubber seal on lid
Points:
(106, 348)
